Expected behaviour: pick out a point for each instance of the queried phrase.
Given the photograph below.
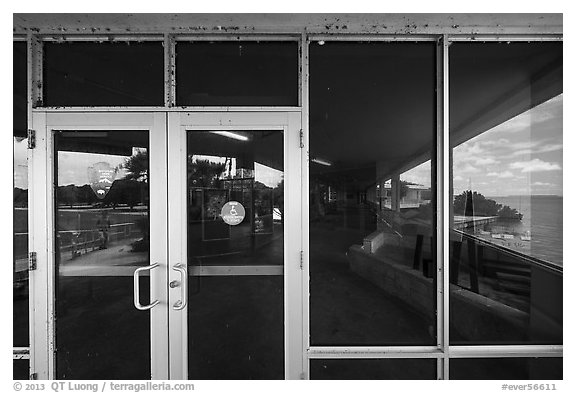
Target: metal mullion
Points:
(504, 37)
(374, 352)
(499, 351)
(158, 37)
(35, 74)
(96, 109)
(304, 153)
(443, 207)
(169, 71)
(185, 37)
(373, 37)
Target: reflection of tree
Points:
(203, 173)
(68, 195)
(137, 166)
(278, 195)
(482, 206)
(126, 192)
(72, 195)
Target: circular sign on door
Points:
(233, 213)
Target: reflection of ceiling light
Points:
(232, 135)
(321, 162)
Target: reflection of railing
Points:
(20, 245)
(85, 240)
(513, 253)
(500, 273)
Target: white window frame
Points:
(181, 122)
(43, 279)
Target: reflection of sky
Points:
(421, 174)
(522, 156)
(264, 174)
(20, 163)
(73, 166)
(268, 176)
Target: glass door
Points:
(101, 283)
(235, 279)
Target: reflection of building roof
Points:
(388, 186)
(417, 187)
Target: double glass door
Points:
(172, 245)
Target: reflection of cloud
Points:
(467, 169)
(499, 142)
(501, 175)
(549, 110)
(421, 174)
(542, 149)
(485, 161)
(535, 165)
(508, 154)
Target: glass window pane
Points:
(235, 254)
(20, 89)
(237, 74)
(373, 369)
(506, 235)
(106, 74)
(506, 368)
(102, 223)
(21, 369)
(372, 127)
(20, 223)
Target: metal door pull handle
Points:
(181, 304)
(137, 288)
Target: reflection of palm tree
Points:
(203, 173)
(137, 166)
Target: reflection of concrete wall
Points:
(477, 317)
(396, 280)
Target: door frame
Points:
(41, 175)
(179, 123)
(168, 332)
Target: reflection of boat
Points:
(499, 235)
(526, 236)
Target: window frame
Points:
(442, 351)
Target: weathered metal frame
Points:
(372, 37)
(256, 37)
(43, 289)
(443, 203)
(443, 351)
(305, 197)
(179, 124)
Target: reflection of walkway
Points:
(349, 310)
(242, 248)
(116, 260)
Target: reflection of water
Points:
(542, 217)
